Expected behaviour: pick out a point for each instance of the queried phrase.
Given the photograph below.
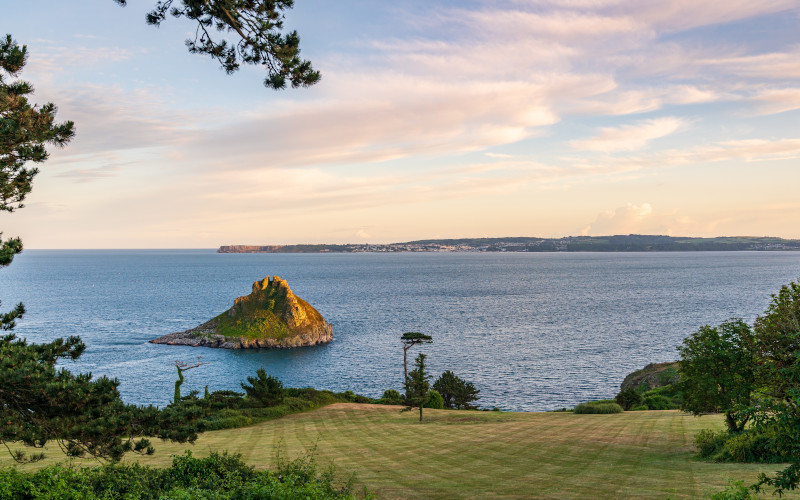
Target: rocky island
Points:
(272, 316)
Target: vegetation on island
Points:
(263, 313)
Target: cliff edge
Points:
(272, 316)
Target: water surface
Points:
(533, 331)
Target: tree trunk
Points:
(420, 410)
(178, 383)
(405, 363)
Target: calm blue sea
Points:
(532, 331)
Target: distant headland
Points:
(619, 243)
(272, 316)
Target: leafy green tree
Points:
(267, 390)
(717, 371)
(409, 340)
(456, 392)
(778, 341)
(777, 335)
(417, 385)
(256, 26)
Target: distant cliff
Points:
(272, 316)
(619, 243)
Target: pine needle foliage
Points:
(256, 27)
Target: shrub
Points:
(736, 490)
(434, 400)
(628, 398)
(640, 408)
(709, 442)
(391, 397)
(219, 476)
(591, 408)
(657, 403)
(267, 390)
(752, 446)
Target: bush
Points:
(628, 398)
(434, 400)
(640, 408)
(752, 446)
(657, 403)
(597, 408)
(709, 442)
(749, 446)
(267, 390)
(391, 397)
(215, 477)
(735, 491)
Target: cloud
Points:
(639, 219)
(776, 100)
(91, 174)
(630, 137)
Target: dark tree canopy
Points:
(39, 404)
(409, 340)
(256, 26)
(456, 392)
(717, 371)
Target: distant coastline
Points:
(619, 243)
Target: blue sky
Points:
(433, 119)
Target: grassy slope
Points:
(488, 455)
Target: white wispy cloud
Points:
(630, 137)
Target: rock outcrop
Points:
(272, 316)
(652, 376)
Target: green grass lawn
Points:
(469, 454)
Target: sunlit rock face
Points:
(272, 316)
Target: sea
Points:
(532, 331)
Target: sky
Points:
(433, 119)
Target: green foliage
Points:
(640, 408)
(267, 390)
(777, 335)
(416, 338)
(717, 371)
(256, 26)
(456, 392)
(778, 341)
(434, 400)
(219, 476)
(657, 403)
(417, 385)
(709, 442)
(25, 129)
(736, 490)
(391, 397)
(597, 408)
(85, 416)
(628, 398)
